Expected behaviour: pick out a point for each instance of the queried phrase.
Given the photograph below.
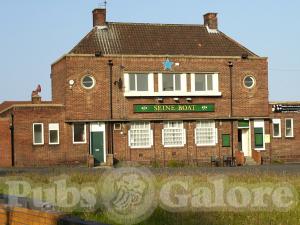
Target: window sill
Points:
(291, 137)
(212, 145)
(141, 147)
(79, 143)
(53, 144)
(173, 146)
(38, 144)
(260, 149)
(172, 94)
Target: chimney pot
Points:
(99, 17)
(211, 21)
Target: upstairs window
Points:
(38, 134)
(276, 128)
(138, 82)
(79, 133)
(140, 135)
(53, 133)
(174, 134)
(204, 83)
(206, 133)
(289, 128)
(171, 82)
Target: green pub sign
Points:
(174, 108)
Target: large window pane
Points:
(200, 82)
(177, 82)
(276, 130)
(132, 85)
(38, 134)
(168, 82)
(79, 135)
(209, 78)
(289, 128)
(142, 82)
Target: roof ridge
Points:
(156, 24)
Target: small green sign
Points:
(174, 108)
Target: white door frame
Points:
(98, 127)
(246, 138)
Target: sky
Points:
(35, 33)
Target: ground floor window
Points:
(173, 134)
(38, 134)
(79, 133)
(289, 127)
(205, 133)
(140, 135)
(276, 128)
(53, 133)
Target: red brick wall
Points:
(286, 149)
(27, 154)
(5, 143)
(82, 104)
(58, 81)
(190, 153)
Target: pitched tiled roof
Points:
(158, 39)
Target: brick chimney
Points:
(36, 99)
(99, 17)
(211, 21)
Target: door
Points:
(97, 145)
(246, 142)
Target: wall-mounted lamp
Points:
(71, 83)
(176, 99)
(119, 83)
(188, 99)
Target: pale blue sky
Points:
(35, 33)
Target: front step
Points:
(250, 161)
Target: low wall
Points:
(23, 213)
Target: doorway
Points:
(244, 141)
(98, 145)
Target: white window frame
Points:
(166, 127)
(83, 142)
(55, 127)
(148, 128)
(33, 136)
(292, 124)
(215, 82)
(276, 121)
(214, 130)
(261, 124)
(183, 87)
(129, 93)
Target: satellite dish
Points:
(71, 82)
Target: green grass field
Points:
(162, 217)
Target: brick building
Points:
(152, 93)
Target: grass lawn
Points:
(163, 217)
